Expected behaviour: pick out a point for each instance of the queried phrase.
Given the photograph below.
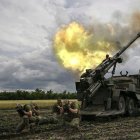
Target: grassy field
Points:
(11, 104)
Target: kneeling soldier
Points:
(26, 118)
(58, 107)
(71, 116)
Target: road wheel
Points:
(131, 107)
(122, 105)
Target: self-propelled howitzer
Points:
(94, 90)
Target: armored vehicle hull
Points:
(119, 95)
(116, 95)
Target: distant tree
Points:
(37, 94)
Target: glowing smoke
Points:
(77, 49)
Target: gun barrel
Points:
(90, 81)
(124, 48)
(119, 53)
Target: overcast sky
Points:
(27, 29)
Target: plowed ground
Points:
(119, 128)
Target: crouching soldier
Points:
(35, 113)
(58, 110)
(26, 118)
(58, 107)
(36, 118)
(35, 109)
(71, 114)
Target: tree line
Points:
(38, 94)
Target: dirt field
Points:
(126, 128)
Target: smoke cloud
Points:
(27, 29)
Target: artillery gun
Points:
(115, 95)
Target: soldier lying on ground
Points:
(71, 114)
(57, 111)
(26, 114)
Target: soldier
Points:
(58, 108)
(26, 119)
(57, 111)
(35, 109)
(35, 113)
(19, 109)
(107, 59)
(71, 117)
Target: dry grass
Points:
(11, 104)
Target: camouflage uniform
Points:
(35, 109)
(39, 119)
(57, 110)
(55, 118)
(71, 118)
(26, 120)
(58, 107)
(48, 120)
(35, 113)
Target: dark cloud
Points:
(27, 29)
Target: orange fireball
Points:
(77, 50)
